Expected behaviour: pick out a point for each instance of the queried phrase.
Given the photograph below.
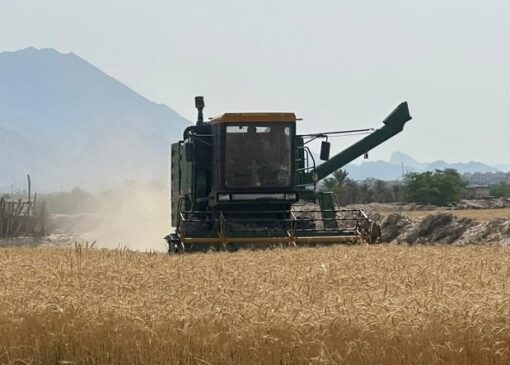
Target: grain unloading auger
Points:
(248, 180)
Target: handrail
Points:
(309, 169)
(296, 223)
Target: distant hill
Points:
(399, 158)
(19, 155)
(400, 162)
(67, 122)
(377, 169)
(503, 167)
(461, 167)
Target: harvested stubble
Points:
(478, 214)
(381, 304)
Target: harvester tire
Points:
(174, 244)
(374, 233)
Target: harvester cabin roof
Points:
(254, 118)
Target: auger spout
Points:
(393, 124)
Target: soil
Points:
(444, 228)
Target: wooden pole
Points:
(29, 193)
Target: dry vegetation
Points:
(381, 304)
(478, 214)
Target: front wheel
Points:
(174, 244)
(374, 233)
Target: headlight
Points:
(223, 197)
(291, 196)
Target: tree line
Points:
(440, 187)
(501, 190)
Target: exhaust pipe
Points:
(200, 104)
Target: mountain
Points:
(18, 156)
(399, 158)
(462, 167)
(68, 123)
(503, 167)
(377, 169)
(402, 163)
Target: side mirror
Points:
(325, 148)
(189, 151)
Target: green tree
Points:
(383, 192)
(349, 191)
(336, 181)
(437, 187)
(501, 190)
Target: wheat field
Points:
(341, 305)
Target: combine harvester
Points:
(248, 180)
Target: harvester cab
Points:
(248, 180)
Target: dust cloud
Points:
(135, 215)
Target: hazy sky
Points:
(338, 64)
